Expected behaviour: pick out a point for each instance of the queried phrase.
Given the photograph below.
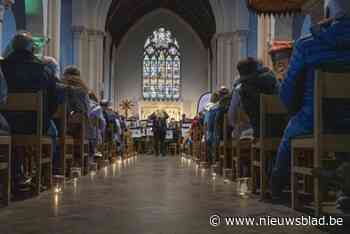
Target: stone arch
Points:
(130, 50)
(163, 10)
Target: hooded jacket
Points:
(328, 42)
(263, 82)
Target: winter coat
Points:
(329, 42)
(263, 82)
(25, 73)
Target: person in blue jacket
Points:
(329, 41)
(209, 122)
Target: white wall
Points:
(128, 68)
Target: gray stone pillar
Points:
(54, 23)
(78, 46)
(92, 77)
(220, 61)
(107, 67)
(231, 47)
(95, 48)
(100, 60)
(214, 69)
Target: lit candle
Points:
(114, 166)
(105, 170)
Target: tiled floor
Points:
(147, 196)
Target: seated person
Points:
(26, 73)
(224, 103)
(52, 66)
(96, 117)
(244, 129)
(338, 179)
(212, 110)
(255, 79)
(110, 117)
(78, 100)
(328, 42)
(280, 53)
(78, 92)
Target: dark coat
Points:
(263, 82)
(328, 43)
(25, 73)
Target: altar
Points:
(173, 109)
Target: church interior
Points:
(174, 116)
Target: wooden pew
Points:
(109, 145)
(66, 142)
(225, 150)
(273, 120)
(81, 144)
(129, 150)
(5, 168)
(331, 91)
(42, 145)
(240, 146)
(196, 134)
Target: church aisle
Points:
(146, 196)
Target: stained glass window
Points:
(161, 67)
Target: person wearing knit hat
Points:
(280, 53)
(255, 79)
(328, 42)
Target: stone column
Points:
(226, 56)
(100, 60)
(220, 61)
(78, 46)
(240, 50)
(228, 74)
(54, 23)
(4, 4)
(95, 48)
(242, 44)
(107, 66)
(214, 61)
(231, 47)
(209, 70)
(92, 51)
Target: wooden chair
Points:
(172, 147)
(109, 145)
(81, 144)
(240, 146)
(331, 104)
(227, 151)
(66, 142)
(42, 145)
(273, 120)
(129, 150)
(196, 141)
(5, 168)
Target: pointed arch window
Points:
(161, 67)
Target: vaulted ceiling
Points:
(123, 14)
